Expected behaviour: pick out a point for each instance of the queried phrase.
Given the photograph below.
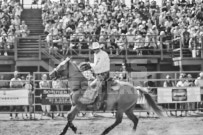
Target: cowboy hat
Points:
(95, 45)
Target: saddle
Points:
(94, 88)
(91, 93)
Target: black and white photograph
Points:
(101, 67)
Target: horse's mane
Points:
(76, 70)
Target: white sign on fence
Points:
(13, 97)
(178, 94)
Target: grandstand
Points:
(32, 52)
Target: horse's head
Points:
(69, 70)
(61, 70)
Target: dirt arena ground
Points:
(95, 125)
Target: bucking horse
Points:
(125, 96)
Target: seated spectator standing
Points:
(190, 83)
(24, 29)
(4, 45)
(15, 83)
(185, 36)
(199, 83)
(182, 83)
(45, 84)
(29, 86)
(151, 88)
(11, 39)
(130, 38)
(169, 83)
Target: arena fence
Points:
(35, 100)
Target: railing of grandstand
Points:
(181, 50)
(32, 6)
(124, 48)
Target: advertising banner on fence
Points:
(13, 97)
(178, 95)
(52, 96)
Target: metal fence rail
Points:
(183, 106)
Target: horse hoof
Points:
(62, 133)
(74, 130)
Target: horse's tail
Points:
(150, 102)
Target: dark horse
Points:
(125, 98)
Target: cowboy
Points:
(100, 67)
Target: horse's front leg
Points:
(71, 115)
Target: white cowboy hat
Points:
(95, 45)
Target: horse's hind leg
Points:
(119, 117)
(132, 117)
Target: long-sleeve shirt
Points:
(101, 62)
(16, 82)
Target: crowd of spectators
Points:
(11, 25)
(143, 26)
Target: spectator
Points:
(4, 45)
(199, 80)
(24, 29)
(130, 38)
(124, 74)
(199, 83)
(190, 83)
(182, 83)
(59, 84)
(169, 83)
(29, 86)
(11, 39)
(44, 84)
(3, 83)
(151, 88)
(139, 44)
(144, 18)
(15, 83)
(122, 42)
